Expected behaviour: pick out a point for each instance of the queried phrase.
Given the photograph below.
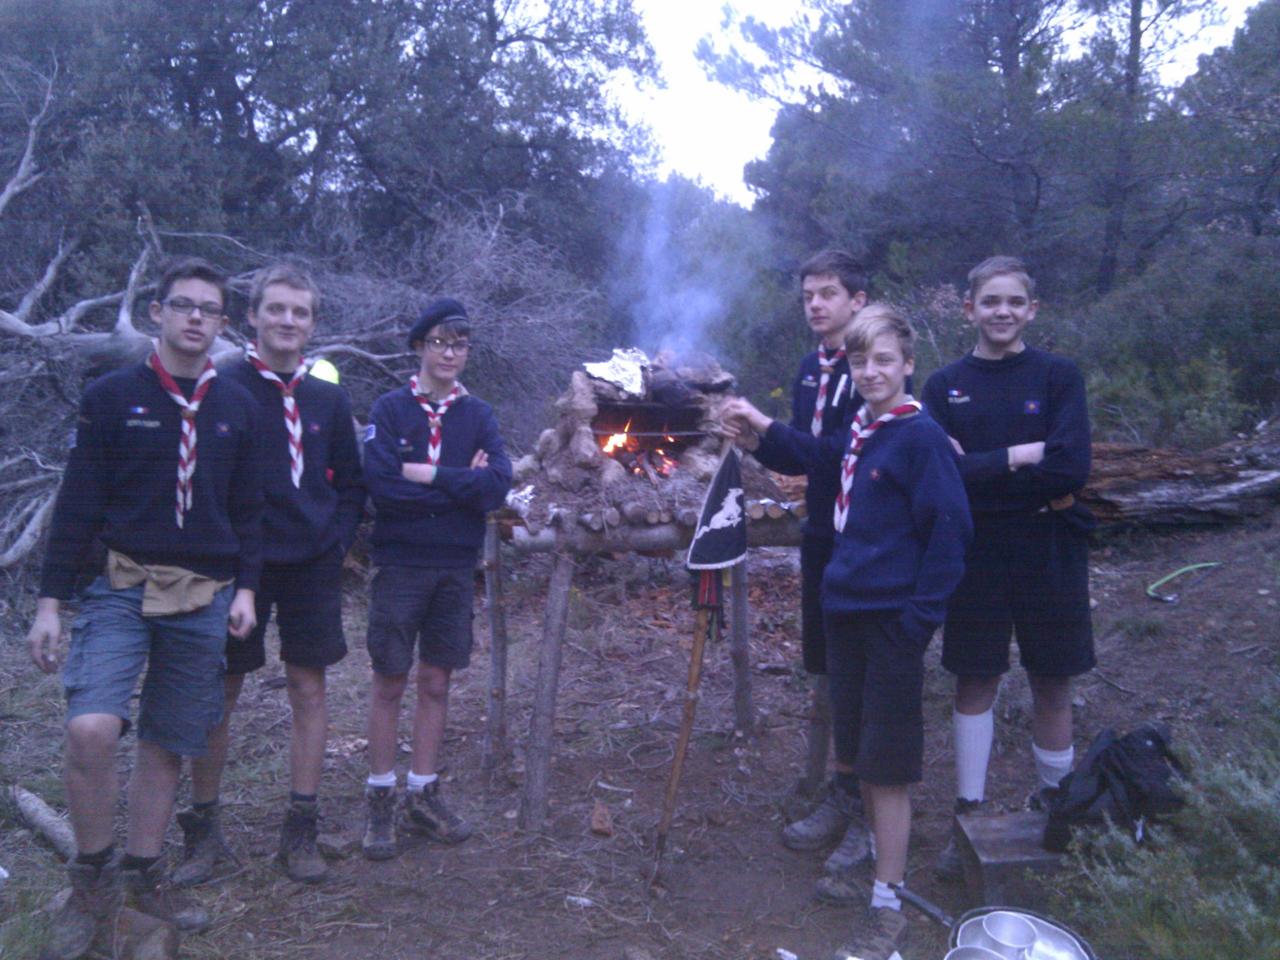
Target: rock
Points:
(601, 820)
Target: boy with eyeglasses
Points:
(314, 497)
(435, 465)
(165, 473)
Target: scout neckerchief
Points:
(292, 418)
(187, 442)
(827, 364)
(435, 414)
(859, 434)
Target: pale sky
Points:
(708, 132)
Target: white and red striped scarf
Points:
(859, 434)
(827, 364)
(187, 442)
(435, 414)
(292, 418)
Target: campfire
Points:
(633, 447)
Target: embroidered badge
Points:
(370, 432)
(313, 428)
(139, 411)
(222, 428)
(809, 381)
(875, 473)
(1031, 406)
(957, 396)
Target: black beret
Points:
(433, 314)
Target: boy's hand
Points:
(243, 616)
(745, 412)
(480, 460)
(1026, 454)
(418, 472)
(45, 635)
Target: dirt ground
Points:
(730, 890)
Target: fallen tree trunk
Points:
(41, 817)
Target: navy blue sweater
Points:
(824, 484)
(302, 523)
(903, 544)
(991, 405)
(440, 524)
(121, 478)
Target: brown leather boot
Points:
(94, 902)
(299, 856)
(146, 892)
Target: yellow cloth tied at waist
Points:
(169, 590)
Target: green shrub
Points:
(1204, 887)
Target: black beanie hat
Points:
(434, 313)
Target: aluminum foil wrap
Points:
(625, 370)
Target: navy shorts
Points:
(429, 608)
(815, 554)
(112, 643)
(1027, 575)
(307, 598)
(876, 673)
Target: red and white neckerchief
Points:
(827, 364)
(187, 442)
(859, 434)
(292, 418)
(435, 414)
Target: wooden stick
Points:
(700, 630)
(533, 802)
(40, 816)
(740, 650)
(495, 735)
(815, 766)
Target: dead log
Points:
(687, 517)
(744, 713)
(533, 801)
(611, 516)
(495, 737)
(658, 537)
(1158, 487)
(635, 513)
(42, 818)
(755, 510)
(774, 510)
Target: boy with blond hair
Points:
(1018, 418)
(902, 525)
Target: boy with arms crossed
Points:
(834, 286)
(165, 473)
(902, 525)
(311, 468)
(1018, 418)
(435, 465)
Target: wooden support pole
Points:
(815, 766)
(495, 735)
(740, 650)
(533, 802)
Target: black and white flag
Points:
(721, 538)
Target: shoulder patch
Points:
(1031, 406)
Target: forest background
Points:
(410, 148)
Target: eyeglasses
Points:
(184, 307)
(439, 345)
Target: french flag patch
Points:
(139, 411)
(1031, 406)
(223, 428)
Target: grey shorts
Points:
(425, 607)
(112, 643)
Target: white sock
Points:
(420, 781)
(1053, 765)
(883, 895)
(387, 779)
(973, 735)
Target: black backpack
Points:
(1129, 780)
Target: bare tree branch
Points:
(26, 541)
(27, 175)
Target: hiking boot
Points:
(828, 821)
(950, 866)
(299, 856)
(878, 936)
(853, 849)
(426, 812)
(145, 891)
(379, 841)
(94, 902)
(841, 889)
(202, 847)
